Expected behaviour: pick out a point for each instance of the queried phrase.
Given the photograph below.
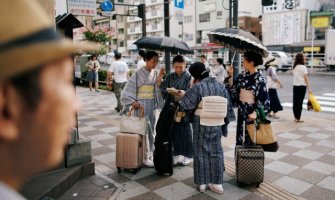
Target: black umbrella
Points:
(163, 43)
(237, 40)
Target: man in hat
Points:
(37, 98)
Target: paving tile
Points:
(327, 143)
(309, 129)
(110, 141)
(145, 171)
(332, 153)
(328, 183)
(230, 154)
(131, 189)
(100, 137)
(230, 192)
(255, 196)
(86, 128)
(308, 154)
(287, 149)
(318, 193)
(271, 176)
(91, 133)
(319, 136)
(147, 196)
(309, 140)
(154, 181)
(288, 135)
(95, 144)
(275, 155)
(95, 123)
(320, 148)
(112, 147)
(182, 172)
(101, 150)
(103, 168)
(119, 178)
(295, 160)
(110, 129)
(320, 167)
(330, 128)
(103, 126)
(327, 159)
(200, 196)
(293, 185)
(308, 176)
(281, 167)
(298, 144)
(106, 158)
(81, 117)
(176, 191)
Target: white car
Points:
(283, 59)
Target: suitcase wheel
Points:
(257, 184)
(240, 184)
(119, 170)
(136, 170)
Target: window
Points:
(154, 26)
(120, 1)
(206, 17)
(121, 31)
(154, 12)
(122, 44)
(219, 14)
(153, 1)
(188, 19)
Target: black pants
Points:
(298, 99)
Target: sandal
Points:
(299, 120)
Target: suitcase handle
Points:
(243, 139)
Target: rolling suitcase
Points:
(129, 151)
(249, 163)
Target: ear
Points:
(8, 112)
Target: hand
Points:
(252, 116)
(162, 71)
(136, 105)
(230, 70)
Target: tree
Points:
(99, 36)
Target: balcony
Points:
(155, 28)
(134, 30)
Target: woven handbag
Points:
(132, 124)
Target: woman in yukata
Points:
(248, 92)
(142, 90)
(208, 153)
(182, 133)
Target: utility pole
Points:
(167, 33)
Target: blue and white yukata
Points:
(252, 82)
(208, 153)
(142, 87)
(182, 132)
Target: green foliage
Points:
(99, 37)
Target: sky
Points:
(60, 7)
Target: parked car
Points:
(130, 62)
(284, 60)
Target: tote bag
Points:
(133, 124)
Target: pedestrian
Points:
(273, 83)
(141, 62)
(203, 59)
(180, 80)
(93, 67)
(118, 72)
(37, 98)
(300, 84)
(248, 92)
(208, 158)
(219, 71)
(142, 89)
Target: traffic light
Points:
(267, 2)
(141, 10)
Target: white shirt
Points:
(7, 193)
(120, 70)
(298, 75)
(140, 63)
(219, 73)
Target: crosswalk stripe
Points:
(327, 103)
(329, 94)
(325, 98)
(323, 108)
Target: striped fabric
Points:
(182, 140)
(208, 152)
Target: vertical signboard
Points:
(330, 47)
(82, 7)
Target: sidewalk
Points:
(303, 168)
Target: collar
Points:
(7, 192)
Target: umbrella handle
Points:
(232, 60)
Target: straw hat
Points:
(270, 61)
(28, 38)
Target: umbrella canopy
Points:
(238, 40)
(163, 43)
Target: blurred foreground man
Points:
(37, 98)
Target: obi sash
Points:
(247, 96)
(146, 92)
